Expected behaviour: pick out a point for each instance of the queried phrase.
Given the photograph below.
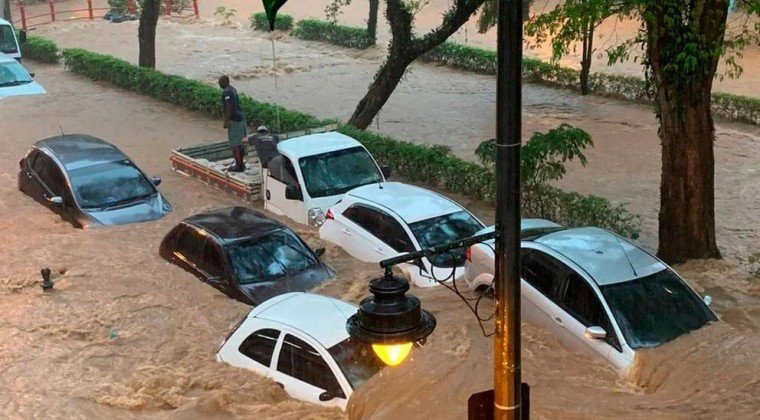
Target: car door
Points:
(544, 275)
(366, 232)
(213, 267)
(253, 350)
(188, 250)
(305, 374)
(280, 175)
(584, 309)
(51, 183)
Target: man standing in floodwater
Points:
(234, 122)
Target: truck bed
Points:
(208, 163)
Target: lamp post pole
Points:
(507, 378)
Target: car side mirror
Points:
(56, 200)
(155, 180)
(707, 300)
(319, 252)
(326, 396)
(31, 75)
(595, 333)
(386, 171)
(293, 193)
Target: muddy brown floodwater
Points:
(126, 335)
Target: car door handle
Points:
(346, 232)
(379, 251)
(558, 320)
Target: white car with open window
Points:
(380, 221)
(299, 340)
(596, 291)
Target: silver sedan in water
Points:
(15, 80)
(596, 291)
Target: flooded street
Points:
(127, 335)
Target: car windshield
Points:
(356, 360)
(109, 184)
(655, 309)
(338, 172)
(265, 259)
(13, 74)
(7, 41)
(445, 229)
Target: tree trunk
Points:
(687, 189)
(381, 89)
(7, 11)
(687, 132)
(526, 9)
(146, 33)
(588, 48)
(374, 6)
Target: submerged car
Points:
(15, 80)
(299, 340)
(89, 182)
(244, 254)
(596, 291)
(383, 220)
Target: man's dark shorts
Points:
(236, 132)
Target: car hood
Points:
(303, 281)
(32, 88)
(142, 211)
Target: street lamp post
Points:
(507, 378)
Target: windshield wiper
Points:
(127, 201)
(15, 83)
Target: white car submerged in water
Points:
(299, 340)
(596, 291)
(15, 80)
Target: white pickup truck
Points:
(310, 172)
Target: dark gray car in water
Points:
(89, 182)
(244, 254)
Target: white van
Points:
(8, 41)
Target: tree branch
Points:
(453, 19)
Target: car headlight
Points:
(316, 217)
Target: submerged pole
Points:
(507, 377)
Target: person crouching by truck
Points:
(265, 144)
(234, 122)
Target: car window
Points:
(582, 303)
(7, 40)
(272, 256)
(50, 174)
(281, 169)
(445, 229)
(543, 272)
(338, 172)
(259, 346)
(190, 244)
(110, 184)
(213, 261)
(381, 225)
(31, 158)
(301, 361)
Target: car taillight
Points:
(329, 215)
(468, 254)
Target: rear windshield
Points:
(356, 360)
(268, 258)
(338, 172)
(109, 184)
(7, 40)
(655, 309)
(443, 230)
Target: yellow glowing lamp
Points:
(390, 320)
(392, 354)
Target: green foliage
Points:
(345, 36)
(543, 157)
(227, 14)
(282, 22)
(189, 94)
(40, 49)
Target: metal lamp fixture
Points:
(390, 320)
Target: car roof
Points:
(314, 144)
(409, 202)
(76, 151)
(234, 223)
(322, 318)
(4, 22)
(605, 256)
